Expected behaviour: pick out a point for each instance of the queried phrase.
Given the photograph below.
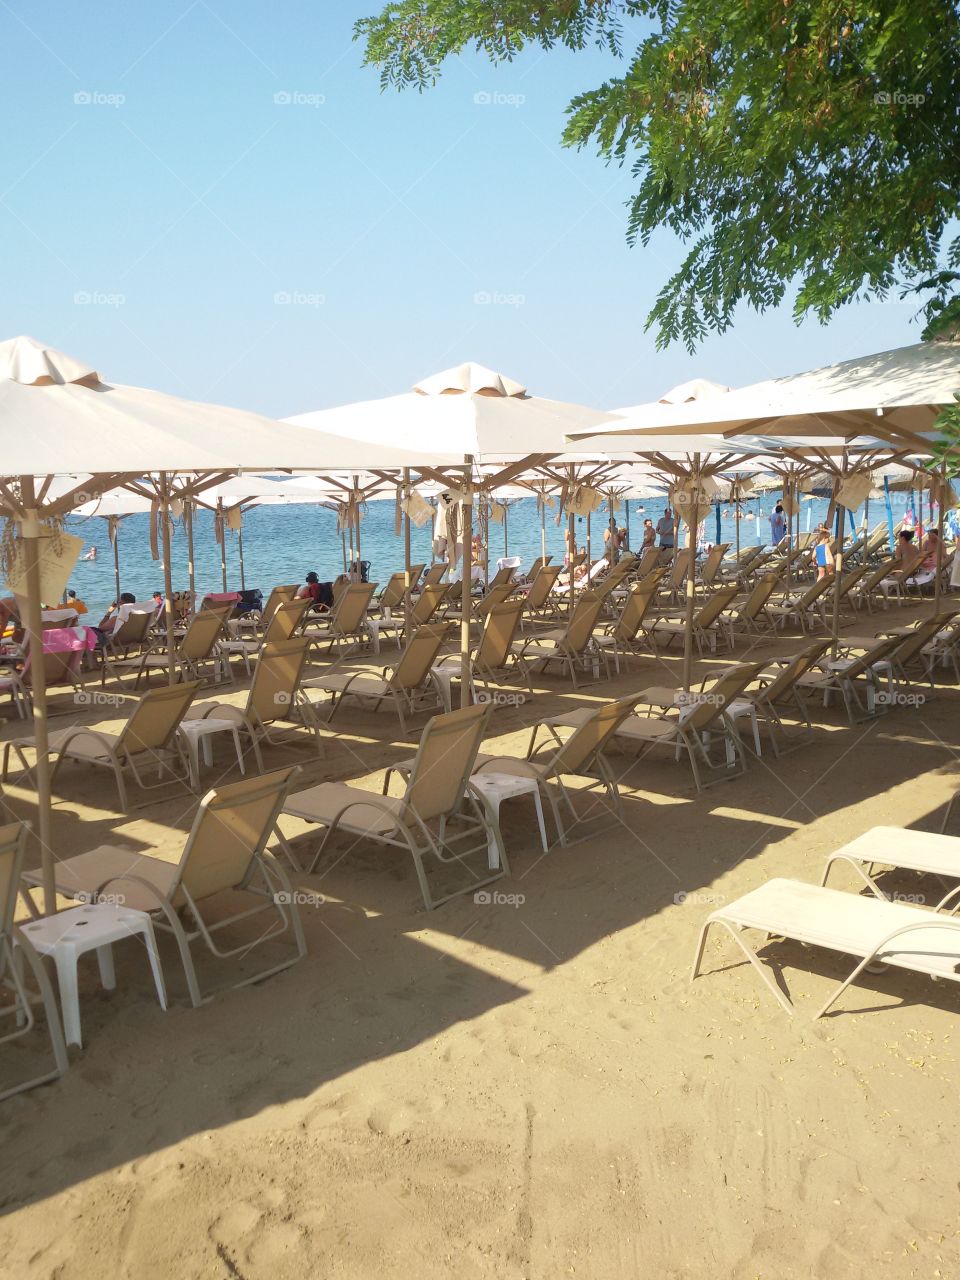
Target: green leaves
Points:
(788, 141)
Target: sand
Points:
(524, 1090)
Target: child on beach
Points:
(823, 554)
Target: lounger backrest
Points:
(543, 584)
(875, 576)
(713, 608)
(203, 632)
(921, 635)
(712, 562)
(392, 594)
(577, 560)
(580, 627)
(679, 571)
(453, 591)
(910, 564)
(648, 562)
(156, 717)
(286, 618)
(431, 597)
(815, 591)
(759, 596)
(877, 653)
(182, 604)
(231, 828)
(499, 632)
(351, 610)
(415, 571)
(502, 577)
(538, 564)
(278, 596)
(133, 629)
(635, 609)
(276, 679)
(445, 760)
(13, 845)
(850, 580)
(495, 596)
(420, 654)
(582, 747)
(435, 574)
(798, 666)
(709, 705)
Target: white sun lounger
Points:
(874, 930)
(925, 851)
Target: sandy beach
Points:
(526, 1088)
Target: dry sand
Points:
(529, 1090)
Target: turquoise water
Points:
(281, 544)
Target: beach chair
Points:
(806, 609)
(275, 697)
(133, 633)
(284, 621)
(15, 951)
(848, 675)
(648, 562)
(223, 854)
(422, 611)
(571, 646)
(672, 588)
(777, 687)
(392, 595)
(690, 721)
(197, 651)
(541, 599)
(258, 620)
(896, 580)
(628, 633)
(944, 648)
(504, 577)
(347, 623)
(149, 737)
(577, 765)
(496, 595)
(538, 564)
(434, 575)
(914, 642)
(410, 687)
(709, 623)
(435, 817)
(495, 658)
(863, 592)
(711, 564)
(925, 852)
(750, 616)
(874, 931)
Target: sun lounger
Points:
(197, 651)
(875, 931)
(928, 852)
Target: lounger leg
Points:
(751, 956)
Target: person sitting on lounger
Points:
(116, 615)
(904, 548)
(929, 547)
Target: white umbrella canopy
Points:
(59, 415)
(468, 410)
(891, 396)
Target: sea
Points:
(283, 543)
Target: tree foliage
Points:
(789, 143)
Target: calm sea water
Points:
(282, 543)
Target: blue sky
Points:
(215, 199)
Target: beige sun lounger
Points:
(15, 948)
(198, 649)
(148, 738)
(873, 930)
(929, 852)
(224, 853)
(284, 621)
(571, 646)
(434, 817)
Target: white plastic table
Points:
(196, 733)
(94, 927)
(493, 789)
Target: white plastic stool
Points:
(738, 710)
(197, 732)
(68, 934)
(494, 788)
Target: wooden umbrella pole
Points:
(221, 525)
(937, 588)
(506, 521)
(543, 527)
(191, 571)
(243, 581)
(838, 559)
(571, 534)
(30, 536)
(736, 517)
(167, 577)
(356, 521)
(407, 581)
(114, 526)
(691, 576)
(788, 493)
(467, 583)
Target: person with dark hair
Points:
(321, 593)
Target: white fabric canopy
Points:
(58, 415)
(465, 410)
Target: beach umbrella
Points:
(461, 417)
(59, 415)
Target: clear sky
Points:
(215, 199)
